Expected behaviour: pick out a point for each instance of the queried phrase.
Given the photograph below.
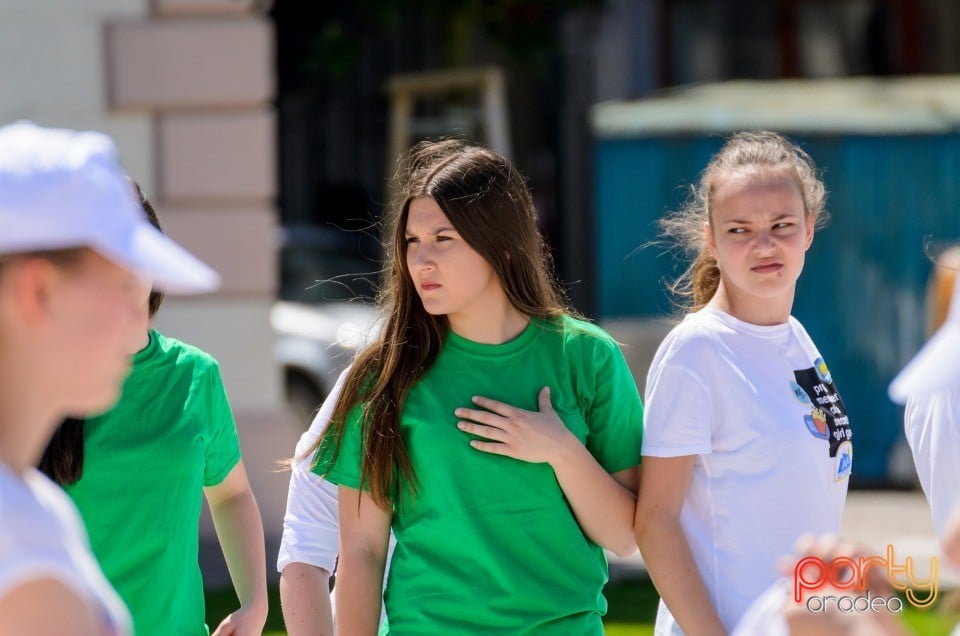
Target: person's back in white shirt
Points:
(42, 537)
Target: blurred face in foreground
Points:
(75, 322)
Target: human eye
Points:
(411, 239)
(737, 230)
(783, 225)
(442, 238)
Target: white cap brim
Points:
(63, 189)
(937, 366)
(153, 255)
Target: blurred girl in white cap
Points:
(77, 262)
(930, 386)
(138, 474)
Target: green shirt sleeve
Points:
(345, 471)
(223, 443)
(614, 413)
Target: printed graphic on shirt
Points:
(844, 461)
(828, 417)
(799, 393)
(816, 423)
(822, 371)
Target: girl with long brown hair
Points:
(494, 431)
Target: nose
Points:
(420, 257)
(764, 243)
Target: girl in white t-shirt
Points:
(77, 258)
(930, 386)
(746, 441)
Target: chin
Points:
(96, 406)
(96, 400)
(434, 309)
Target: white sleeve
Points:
(677, 413)
(932, 428)
(310, 524)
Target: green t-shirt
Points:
(146, 463)
(489, 544)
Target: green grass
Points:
(633, 607)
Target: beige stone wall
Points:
(53, 72)
(203, 71)
(185, 88)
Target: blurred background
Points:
(266, 133)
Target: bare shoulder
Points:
(46, 606)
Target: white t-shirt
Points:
(42, 536)
(311, 524)
(766, 616)
(759, 407)
(932, 427)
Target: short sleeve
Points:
(345, 470)
(311, 521)
(932, 428)
(678, 418)
(223, 444)
(615, 413)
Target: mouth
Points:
(429, 286)
(767, 268)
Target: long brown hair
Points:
(742, 152)
(488, 203)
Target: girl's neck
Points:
(493, 325)
(26, 422)
(756, 311)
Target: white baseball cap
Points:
(937, 365)
(61, 189)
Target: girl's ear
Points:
(708, 240)
(810, 222)
(31, 282)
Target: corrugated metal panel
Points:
(861, 293)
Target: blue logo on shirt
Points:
(822, 371)
(844, 461)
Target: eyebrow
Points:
(780, 217)
(443, 228)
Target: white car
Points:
(314, 343)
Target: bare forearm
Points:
(670, 562)
(305, 600)
(950, 536)
(359, 593)
(603, 507)
(240, 530)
